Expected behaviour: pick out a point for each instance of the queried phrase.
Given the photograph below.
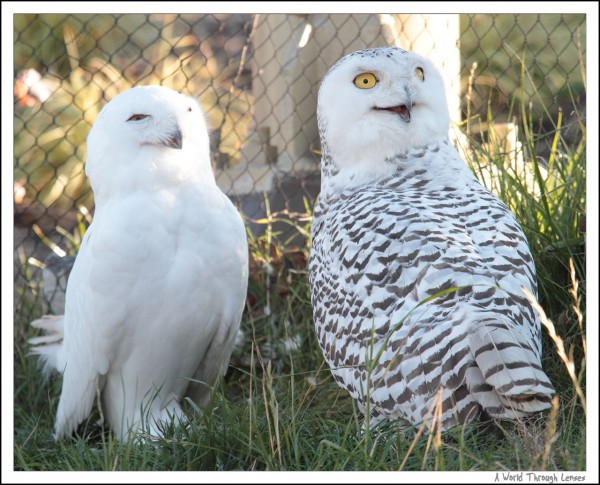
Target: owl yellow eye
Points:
(420, 74)
(366, 80)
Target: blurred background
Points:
(257, 78)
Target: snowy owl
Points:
(156, 294)
(416, 269)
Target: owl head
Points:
(376, 103)
(147, 136)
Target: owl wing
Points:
(89, 330)
(406, 287)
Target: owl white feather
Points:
(416, 270)
(156, 294)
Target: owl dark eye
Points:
(189, 109)
(137, 117)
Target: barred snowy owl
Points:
(416, 269)
(157, 291)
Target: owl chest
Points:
(162, 240)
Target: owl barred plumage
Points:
(416, 269)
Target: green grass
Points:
(278, 407)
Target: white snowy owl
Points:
(416, 269)
(157, 291)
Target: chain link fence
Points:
(257, 78)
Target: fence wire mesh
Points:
(257, 78)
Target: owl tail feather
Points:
(512, 382)
(49, 346)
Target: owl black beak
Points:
(174, 140)
(403, 110)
